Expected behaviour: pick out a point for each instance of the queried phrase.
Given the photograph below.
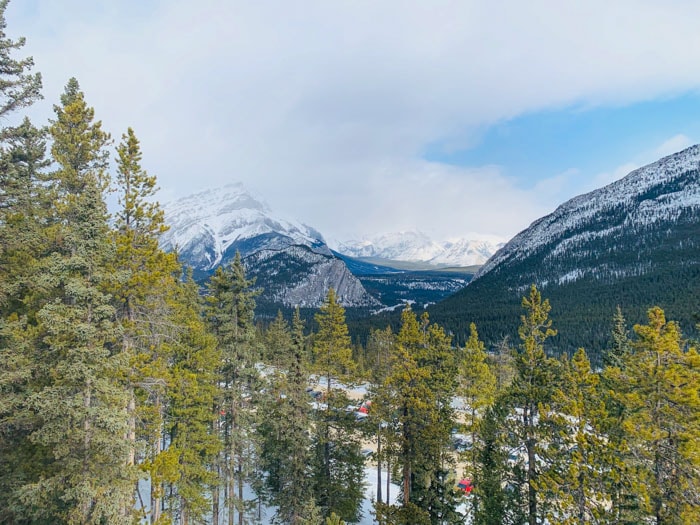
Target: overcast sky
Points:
(364, 117)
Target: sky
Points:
(362, 117)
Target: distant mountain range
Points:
(291, 262)
(415, 246)
(634, 243)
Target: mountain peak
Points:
(211, 225)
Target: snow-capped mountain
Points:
(209, 227)
(291, 262)
(634, 243)
(415, 246)
(660, 193)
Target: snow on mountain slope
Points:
(418, 247)
(208, 226)
(655, 194)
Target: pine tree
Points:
(286, 445)
(421, 384)
(80, 404)
(664, 419)
(22, 150)
(577, 446)
(477, 386)
(622, 479)
(230, 306)
(18, 87)
(490, 498)
(620, 348)
(23, 209)
(189, 418)
(21, 243)
(380, 346)
(144, 280)
(332, 348)
(278, 343)
(533, 385)
(338, 462)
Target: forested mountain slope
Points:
(634, 243)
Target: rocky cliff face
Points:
(298, 276)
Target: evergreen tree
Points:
(490, 498)
(80, 404)
(230, 306)
(477, 386)
(189, 420)
(422, 382)
(577, 447)
(664, 419)
(332, 348)
(18, 87)
(338, 462)
(22, 212)
(144, 285)
(533, 385)
(380, 347)
(285, 445)
(278, 343)
(623, 480)
(620, 347)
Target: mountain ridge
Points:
(634, 243)
(416, 246)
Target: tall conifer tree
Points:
(286, 445)
(532, 386)
(81, 404)
(144, 283)
(22, 150)
(577, 449)
(229, 309)
(477, 386)
(664, 422)
(338, 461)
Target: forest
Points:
(129, 393)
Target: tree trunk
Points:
(240, 488)
(406, 461)
(531, 468)
(215, 493)
(157, 449)
(87, 401)
(131, 432)
(388, 479)
(379, 463)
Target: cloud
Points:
(673, 145)
(325, 108)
